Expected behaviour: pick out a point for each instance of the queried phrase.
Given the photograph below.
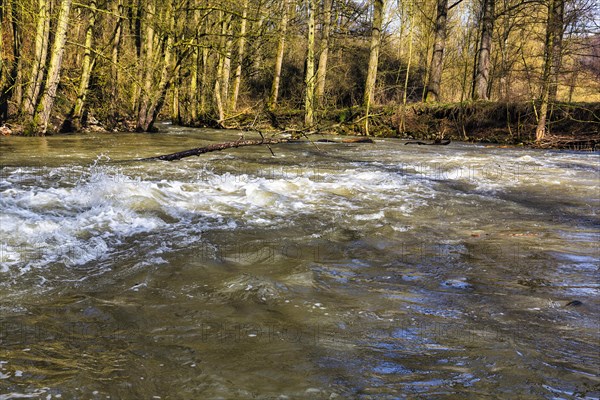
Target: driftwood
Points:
(256, 142)
(347, 140)
(436, 142)
(358, 140)
(218, 147)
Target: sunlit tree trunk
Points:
(86, 70)
(146, 66)
(204, 80)
(374, 52)
(548, 80)
(410, 50)
(556, 56)
(39, 58)
(194, 68)
(482, 76)
(240, 58)
(309, 79)
(10, 71)
(116, 44)
(44, 108)
(258, 58)
(226, 69)
(279, 58)
(153, 97)
(176, 106)
(408, 63)
(322, 68)
(437, 59)
(221, 87)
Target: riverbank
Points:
(574, 126)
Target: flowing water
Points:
(338, 271)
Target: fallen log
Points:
(358, 140)
(347, 140)
(218, 147)
(434, 143)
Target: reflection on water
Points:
(351, 270)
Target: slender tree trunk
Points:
(410, 51)
(279, 58)
(116, 44)
(39, 59)
(309, 98)
(89, 60)
(241, 49)
(42, 115)
(374, 53)
(257, 64)
(439, 44)
(547, 78)
(226, 70)
(204, 80)
(156, 98)
(322, 69)
(176, 106)
(139, 20)
(408, 63)
(194, 69)
(147, 69)
(556, 56)
(11, 73)
(482, 76)
(218, 89)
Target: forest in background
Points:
(124, 64)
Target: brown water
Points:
(348, 270)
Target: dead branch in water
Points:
(217, 147)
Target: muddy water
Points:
(350, 270)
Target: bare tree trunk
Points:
(204, 80)
(147, 68)
(279, 58)
(439, 44)
(257, 64)
(42, 115)
(155, 98)
(218, 89)
(10, 73)
(547, 78)
(309, 98)
(482, 76)
(408, 63)
(176, 107)
(241, 48)
(194, 69)
(118, 10)
(374, 52)
(39, 59)
(322, 69)
(556, 56)
(86, 70)
(410, 51)
(226, 70)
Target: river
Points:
(371, 271)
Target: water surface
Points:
(351, 270)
